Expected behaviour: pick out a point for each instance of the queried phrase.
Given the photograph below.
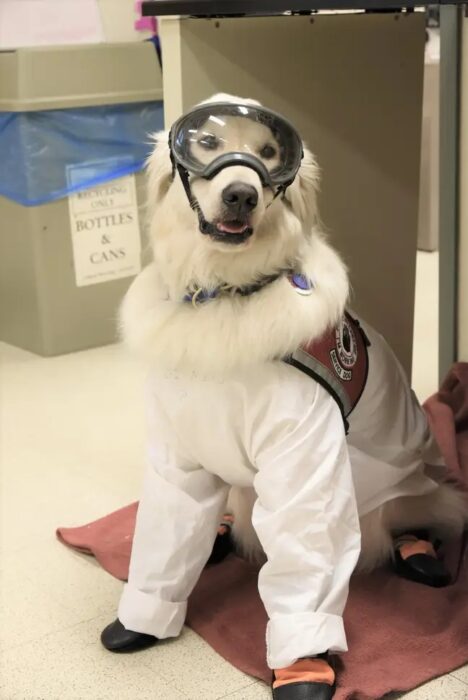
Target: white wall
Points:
(118, 18)
(55, 22)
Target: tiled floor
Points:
(71, 447)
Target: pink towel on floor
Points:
(400, 634)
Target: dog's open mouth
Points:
(233, 232)
(236, 226)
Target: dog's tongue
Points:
(231, 227)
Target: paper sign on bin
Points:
(105, 232)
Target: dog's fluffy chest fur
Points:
(233, 332)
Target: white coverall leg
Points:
(309, 529)
(177, 521)
(305, 515)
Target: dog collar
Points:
(199, 295)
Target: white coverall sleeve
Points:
(178, 516)
(307, 522)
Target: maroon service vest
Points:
(339, 361)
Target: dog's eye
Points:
(209, 142)
(268, 151)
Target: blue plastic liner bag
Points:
(49, 154)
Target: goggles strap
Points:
(171, 154)
(281, 190)
(184, 176)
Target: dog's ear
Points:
(302, 194)
(159, 169)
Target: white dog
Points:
(242, 279)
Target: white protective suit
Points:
(277, 429)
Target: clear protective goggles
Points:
(217, 135)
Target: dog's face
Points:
(234, 201)
(237, 207)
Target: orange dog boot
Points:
(416, 560)
(307, 679)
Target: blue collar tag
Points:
(302, 284)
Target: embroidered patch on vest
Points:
(345, 354)
(338, 361)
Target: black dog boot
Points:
(307, 679)
(224, 543)
(304, 691)
(116, 638)
(416, 560)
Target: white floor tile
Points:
(256, 691)
(70, 581)
(38, 498)
(192, 666)
(72, 440)
(444, 688)
(461, 674)
(27, 611)
(72, 665)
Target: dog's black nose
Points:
(240, 198)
